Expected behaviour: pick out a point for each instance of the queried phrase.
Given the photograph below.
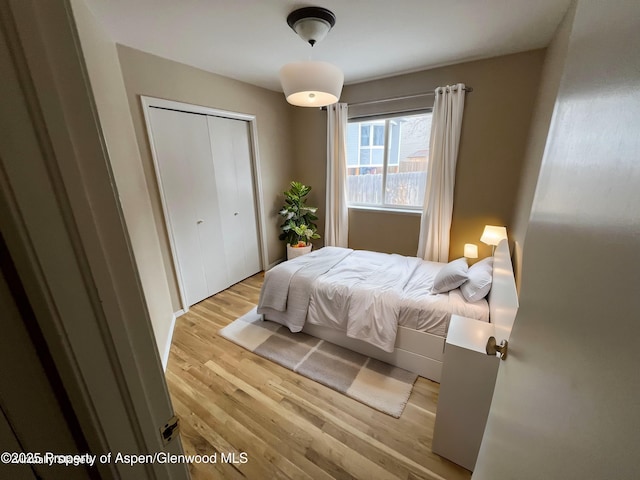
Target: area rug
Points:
(372, 382)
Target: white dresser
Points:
(468, 373)
(466, 389)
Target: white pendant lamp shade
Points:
(311, 84)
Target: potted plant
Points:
(298, 228)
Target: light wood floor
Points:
(230, 400)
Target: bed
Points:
(377, 304)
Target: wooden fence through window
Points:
(403, 189)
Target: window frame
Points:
(384, 207)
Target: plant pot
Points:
(293, 252)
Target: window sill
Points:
(401, 211)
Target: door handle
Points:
(493, 348)
(236, 214)
(200, 221)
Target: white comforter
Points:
(366, 294)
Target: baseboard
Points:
(167, 348)
(179, 313)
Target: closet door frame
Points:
(150, 102)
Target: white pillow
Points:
(480, 278)
(451, 276)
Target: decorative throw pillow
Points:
(480, 278)
(451, 276)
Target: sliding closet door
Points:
(231, 148)
(183, 156)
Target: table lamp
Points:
(470, 250)
(492, 235)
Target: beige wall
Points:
(492, 147)
(113, 110)
(149, 75)
(384, 231)
(549, 84)
(310, 158)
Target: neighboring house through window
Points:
(387, 161)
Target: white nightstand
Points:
(466, 390)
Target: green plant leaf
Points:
(298, 217)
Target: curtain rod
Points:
(404, 97)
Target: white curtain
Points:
(336, 231)
(435, 224)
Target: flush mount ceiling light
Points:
(311, 23)
(311, 83)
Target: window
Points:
(371, 150)
(387, 161)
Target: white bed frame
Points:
(420, 352)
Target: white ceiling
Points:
(249, 40)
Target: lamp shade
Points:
(311, 84)
(470, 250)
(493, 234)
